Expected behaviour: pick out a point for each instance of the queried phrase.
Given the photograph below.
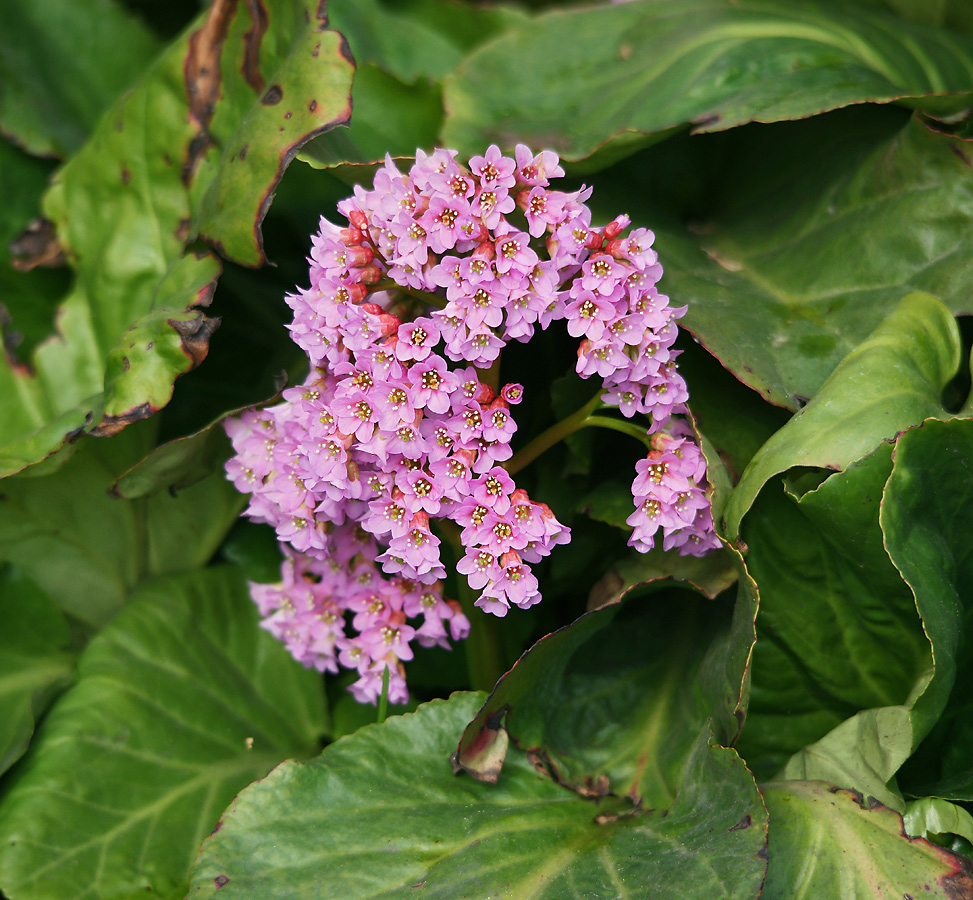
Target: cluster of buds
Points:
(396, 426)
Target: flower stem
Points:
(383, 701)
(491, 376)
(619, 425)
(485, 657)
(484, 648)
(557, 432)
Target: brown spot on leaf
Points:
(288, 114)
(251, 46)
(762, 853)
(744, 823)
(594, 787)
(195, 334)
(203, 76)
(37, 247)
(111, 425)
(958, 885)
(275, 93)
(625, 51)
(313, 105)
(183, 229)
(126, 364)
(126, 175)
(243, 152)
(221, 881)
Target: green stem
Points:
(619, 425)
(485, 657)
(484, 648)
(491, 376)
(383, 701)
(557, 432)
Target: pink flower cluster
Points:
(444, 266)
(669, 492)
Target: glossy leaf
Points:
(932, 818)
(573, 80)
(816, 829)
(294, 832)
(62, 62)
(861, 754)
(892, 380)
(88, 550)
(390, 117)
(614, 702)
(926, 517)
(36, 661)
(416, 39)
(838, 630)
(285, 78)
(710, 575)
(799, 262)
(124, 206)
(180, 703)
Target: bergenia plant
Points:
(475, 565)
(401, 432)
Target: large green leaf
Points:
(352, 823)
(927, 517)
(285, 79)
(416, 39)
(861, 754)
(826, 842)
(35, 660)
(838, 630)
(180, 703)
(402, 52)
(62, 62)
(813, 234)
(892, 380)
(573, 80)
(88, 550)
(615, 701)
(181, 143)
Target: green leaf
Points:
(781, 290)
(124, 207)
(180, 703)
(639, 678)
(710, 575)
(573, 80)
(838, 630)
(932, 818)
(62, 62)
(862, 754)
(352, 824)
(415, 39)
(892, 380)
(402, 52)
(816, 832)
(178, 463)
(285, 79)
(390, 117)
(35, 660)
(88, 550)
(926, 517)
